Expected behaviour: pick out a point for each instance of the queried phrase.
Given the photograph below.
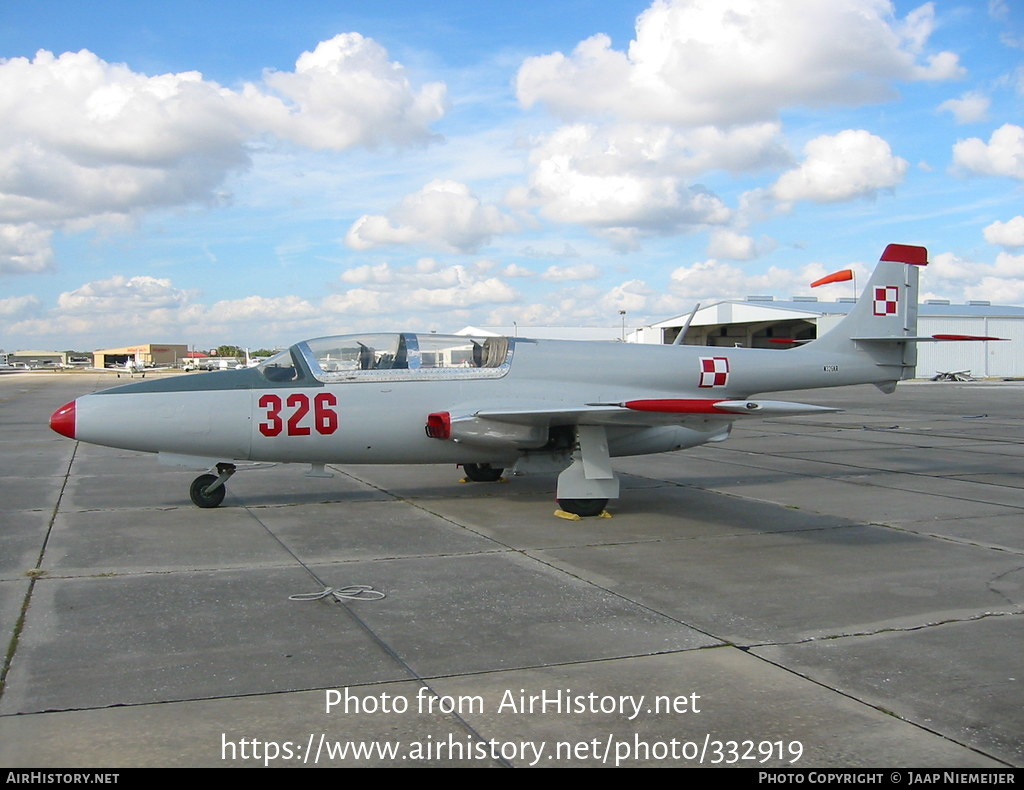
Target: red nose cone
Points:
(63, 420)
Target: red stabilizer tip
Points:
(63, 420)
(906, 253)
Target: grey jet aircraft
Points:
(491, 404)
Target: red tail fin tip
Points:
(906, 253)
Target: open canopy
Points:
(391, 356)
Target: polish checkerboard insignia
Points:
(886, 299)
(714, 371)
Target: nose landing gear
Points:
(208, 490)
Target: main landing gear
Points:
(586, 485)
(482, 473)
(208, 490)
(584, 508)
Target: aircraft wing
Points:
(657, 411)
(525, 427)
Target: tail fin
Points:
(881, 328)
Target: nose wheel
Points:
(208, 490)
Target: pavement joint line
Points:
(377, 638)
(527, 553)
(416, 503)
(887, 630)
(364, 684)
(885, 711)
(12, 645)
(866, 484)
(947, 538)
(23, 392)
(747, 649)
(996, 578)
(562, 571)
(894, 527)
(256, 567)
(930, 434)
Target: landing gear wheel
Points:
(583, 507)
(197, 491)
(482, 473)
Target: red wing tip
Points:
(906, 253)
(63, 420)
(675, 405)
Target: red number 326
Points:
(325, 418)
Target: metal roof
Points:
(761, 310)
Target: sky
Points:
(259, 173)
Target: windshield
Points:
(401, 355)
(281, 367)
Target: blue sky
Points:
(254, 174)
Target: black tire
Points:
(200, 499)
(583, 507)
(482, 473)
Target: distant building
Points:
(37, 359)
(146, 353)
(764, 322)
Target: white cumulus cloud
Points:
(1003, 155)
(85, 142)
(1006, 234)
(16, 306)
(344, 93)
(262, 309)
(423, 286)
(24, 248)
(851, 164)
(123, 294)
(727, 243)
(580, 271)
(443, 214)
(114, 306)
(83, 138)
(707, 61)
(969, 108)
(958, 278)
(617, 183)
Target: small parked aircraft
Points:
(494, 403)
(129, 367)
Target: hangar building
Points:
(147, 353)
(761, 321)
(35, 359)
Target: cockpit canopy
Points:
(391, 357)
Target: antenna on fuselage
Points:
(679, 338)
